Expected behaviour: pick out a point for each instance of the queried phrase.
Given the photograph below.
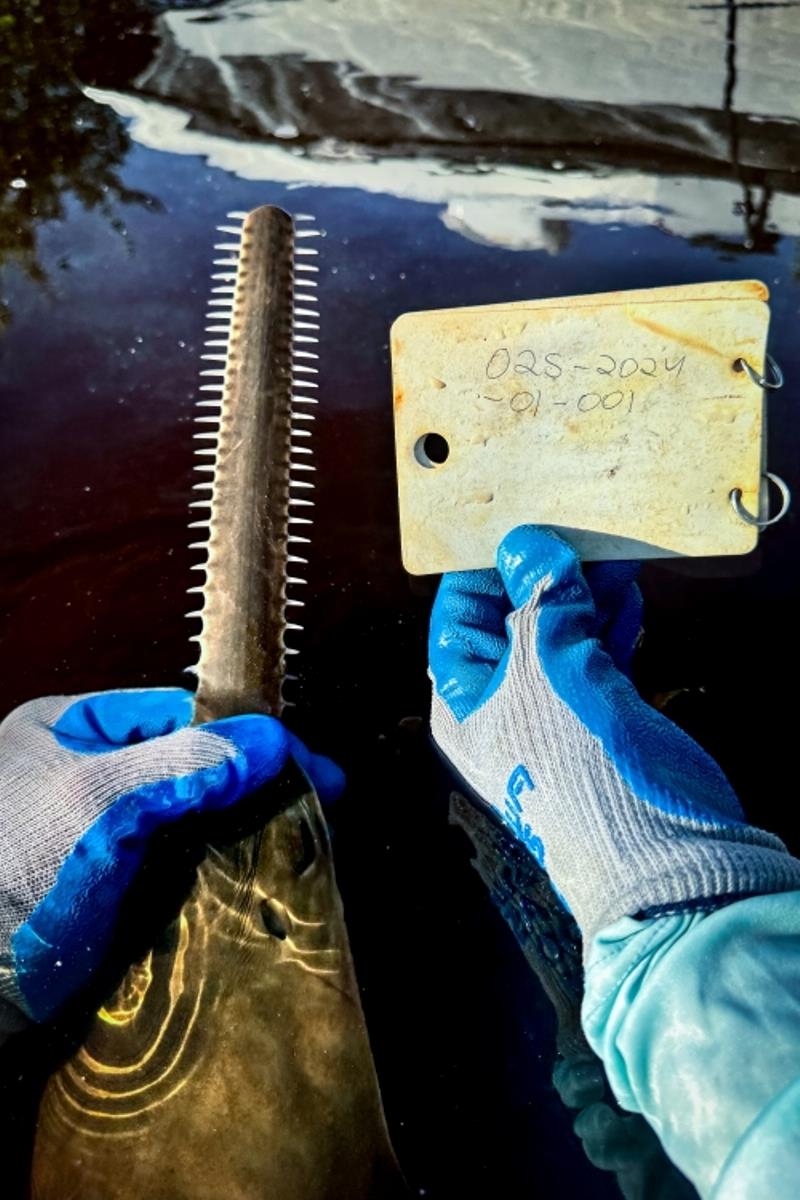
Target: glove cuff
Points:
(676, 873)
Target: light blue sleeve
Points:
(696, 1017)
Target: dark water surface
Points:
(561, 154)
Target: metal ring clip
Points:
(761, 380)
(744, 515)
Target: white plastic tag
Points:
(624, 420)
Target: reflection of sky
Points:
(513, 206)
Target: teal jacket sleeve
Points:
(696, 1017)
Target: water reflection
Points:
(612, 1140)
(292, 92)
(545, 149)
(506, 205)
(56, 141)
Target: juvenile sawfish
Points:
(233, 1062)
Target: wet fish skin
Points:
(233, 1062)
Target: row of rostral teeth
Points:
(212, 382)
(305, 372)
(305, 385)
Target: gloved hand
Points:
(85, 782)
(622, 809)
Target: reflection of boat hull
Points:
(254, 94)
(505, 203)
(613, 1140)
(309, 96)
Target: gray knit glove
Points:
(621, 808)
(86, 783)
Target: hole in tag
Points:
(738, 365)
(431, 450)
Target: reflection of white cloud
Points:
(628, 52)
(512, 206)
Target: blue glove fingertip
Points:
(105, 721)
(467, 600)
(531, 553)
(468, 639)
(327, 778)
(262, 747)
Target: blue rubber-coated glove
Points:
(623, 810)
(85, 782)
